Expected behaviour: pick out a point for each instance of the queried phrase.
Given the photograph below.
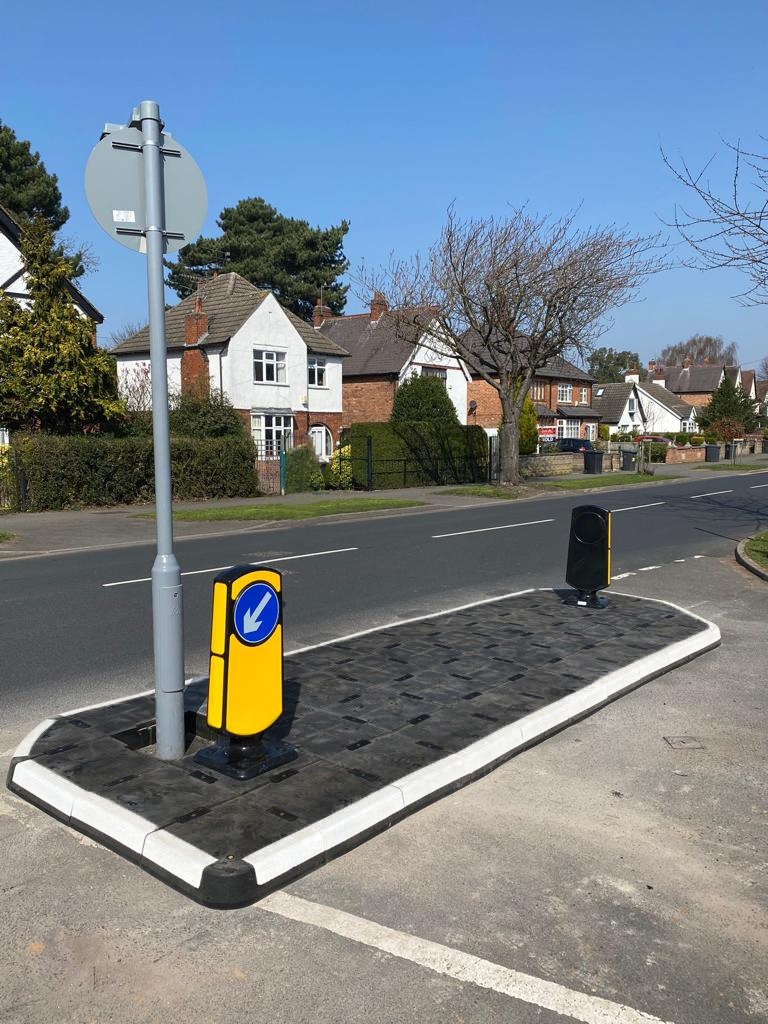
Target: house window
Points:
(632, 406)
(322, 441)
(567, 428)
(590, 431)
(565, 392)
(268, 367)
(271, 434)
(583, 396)
(316, 371)
(435, 371)
(538, 393)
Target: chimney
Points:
(379, 305)
(195, 324)
(651, 367)
(686, 363)
(320, 314)
(632, 376)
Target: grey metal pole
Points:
(167, 620)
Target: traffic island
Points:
(382, 722)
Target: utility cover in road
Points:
(257, 611)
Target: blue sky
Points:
(386, 113)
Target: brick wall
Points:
(367, 401)
(563, 463)
(303, 421)
(676, 455)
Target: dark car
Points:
(570, 444)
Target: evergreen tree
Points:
(27, 190)
(607, 365)
(272, 251)
(529, 428)
(421, 399)
(51, 376)
(730, 413)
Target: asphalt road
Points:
(75, 628)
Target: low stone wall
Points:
(562, 463)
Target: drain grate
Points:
(684, 743)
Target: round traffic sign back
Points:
(114, 187)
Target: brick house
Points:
(383, 353)
(561, 394)
(695, 383)
(282, 376)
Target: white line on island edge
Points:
(631, 508)
(221, 568)
(487, 529)
(454, 963)
(754, 487)
(709, 494)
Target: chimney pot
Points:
(195, 324)
(379, 305)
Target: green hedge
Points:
(302, 470)
(418, 454)
(69, 472)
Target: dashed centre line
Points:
(220, 568)
(631, 508)
(754, 487)
(710, 494)
(488, 529)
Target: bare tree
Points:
(509, 295)
(762, 368)
(700, 348)
(731, 229)
(129, 328)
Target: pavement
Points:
(602, 876)
(124, 525)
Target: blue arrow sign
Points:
(256, 614)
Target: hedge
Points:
(302, 470)
(417, 454)
(68, 472)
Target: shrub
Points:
(682, 438)
(697, 439)
(710, 437)
(68, 472)
(604, 432)
(417, 454)
(302, 470)
(208, 415)
(657, 452)
(528, 428)
(423, 399)
(340, 476)
(624, 436)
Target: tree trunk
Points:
(509, 443)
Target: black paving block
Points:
(398, 711)
(120, 717)
(65, 733)
(388, 758)
(233, 829)
(324, 733)
(168, 793)
(98, 764)
(314, 792)
(450, 729)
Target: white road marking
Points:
(679, 559)
(709, 494)
(754, 487)
(647, 568)
(699, 556)
(623, 576)
(221, 568)
(453, 963)
(631, 508)
(487, 529)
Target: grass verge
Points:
(4, 536)
(332, 507)
(757, 549)
(482, 491)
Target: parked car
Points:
(570, 444)
(653, 439)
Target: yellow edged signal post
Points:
(245, 685)
(589, 556)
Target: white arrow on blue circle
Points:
(251, 620)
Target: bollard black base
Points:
(246, 757)
(585, 600)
